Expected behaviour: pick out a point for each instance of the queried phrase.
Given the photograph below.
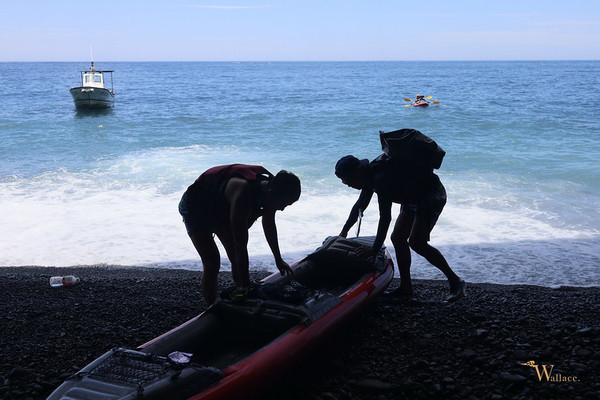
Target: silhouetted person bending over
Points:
(422, 197)
(225, 201)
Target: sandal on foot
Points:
(457, 290)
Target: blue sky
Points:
(290, 30)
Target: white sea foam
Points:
(85, 218)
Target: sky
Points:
(299, 30)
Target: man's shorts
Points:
(430, 207)
(195, 221)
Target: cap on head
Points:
(347, 165)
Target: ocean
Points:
(102, 188)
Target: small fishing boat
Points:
(93, 94)
(243, 343)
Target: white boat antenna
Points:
(91, 56)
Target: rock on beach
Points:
(477, 348)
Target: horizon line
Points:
(299, 61)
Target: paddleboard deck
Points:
(235, 348)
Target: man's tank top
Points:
(206, 194)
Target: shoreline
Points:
(472, 349)
(74, 269)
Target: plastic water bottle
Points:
(68, 280)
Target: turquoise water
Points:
(521, 170)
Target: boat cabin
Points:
(93, 79)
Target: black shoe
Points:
(457, 291)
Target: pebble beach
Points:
(494, 344)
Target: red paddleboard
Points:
(241, 344)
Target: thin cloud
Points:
(36, 29)
(519, 15)
(434, 15)
(565, 23)
(222, 7)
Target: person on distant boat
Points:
(225, 201)
(420, 99)
(422, 197)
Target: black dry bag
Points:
(411, 146)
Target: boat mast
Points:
(91, 57)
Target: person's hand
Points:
(284, 268)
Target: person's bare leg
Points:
(211, 262)
(241, 278)
(400, 235)
(418, 242)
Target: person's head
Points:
(285, 189)
(352, 171)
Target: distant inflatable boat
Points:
(240, 345)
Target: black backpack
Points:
(413, 147)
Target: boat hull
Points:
(92, 98)
(422, 104)
(241, 346)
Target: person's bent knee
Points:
(418, 246)
(398, 240)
